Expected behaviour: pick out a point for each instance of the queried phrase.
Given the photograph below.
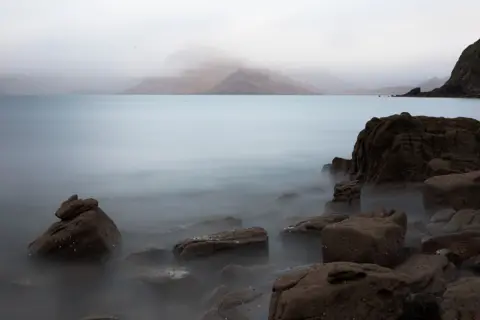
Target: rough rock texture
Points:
(464, 244)
(464, 80)
(228, 305)
(457, 191)
(428, 273)
(397, 149)
(315, 225)
(74, 206)
(252, 238)
(346, 198)
(339, 290)
(364, 240)
(88, 235)
(461, 300)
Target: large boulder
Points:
(461, 300)
(339, 290)
(87, 235)
(457, 191)
(397, 149)
(376, 240)
(346, 198)
(249, 238)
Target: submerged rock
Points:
(88, 235)
(250, 238)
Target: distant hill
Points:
(464, 80)
(222, 79)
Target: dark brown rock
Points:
(249, 238)
(90, 235)
(339, 290)
(397, 149)
(464, 244)
(461, 300)
(346, 198)
(457, 191)
(315, 224)
(74, 206)
(364, 240)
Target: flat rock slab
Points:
(364, 240)
(314, 225)
(249, 238)
(339, 290)
(457, 191)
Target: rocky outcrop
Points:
(464, 80)
(314, 225)
(85, 233)
(346, 198)
(399, 149)
(360, 239)
(340, 290)
(414, 91)
(457, 191)
(464, 244)
(250, 238)
(461, 300)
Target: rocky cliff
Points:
(464, 80)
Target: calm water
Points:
(155, 162)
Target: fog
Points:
(366, 39)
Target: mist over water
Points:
(161, 166)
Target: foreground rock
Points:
(461, 300)
(340, 290)
(250, 238)
(314, 225)
(397, 149)
(464, 245)
(346, 198)
(457, 191)
(377, 240)
(87, 235)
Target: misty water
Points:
(161, 166)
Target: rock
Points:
(153, 256)
(214, 297)
(460, 220)
(315, 224)
(91, 235)
(250, 238)
(364, 240)
(464, 244)
(461, 300)
(421, 306)
(346, 198)
(428, 273)
(227, 306)
(414, 92)
(340, 290)
(451, 256)
(396, 149)
(443, 215)
(457, 191)
(74, 206)
(438, 167)
(398, 217)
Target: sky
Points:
(136, 37)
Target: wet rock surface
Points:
(314, 225)
(87, 235)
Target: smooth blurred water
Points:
(157, 162)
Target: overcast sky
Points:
(135, 36)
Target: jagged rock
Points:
(346, 198)
(74, 206)
(364, 240)
(457, 191)
(339, 290)
(250, 238)
(461, 300)
(398, 148)
(464, 244)
(428, 273)
(315, 224)
(90, 235)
